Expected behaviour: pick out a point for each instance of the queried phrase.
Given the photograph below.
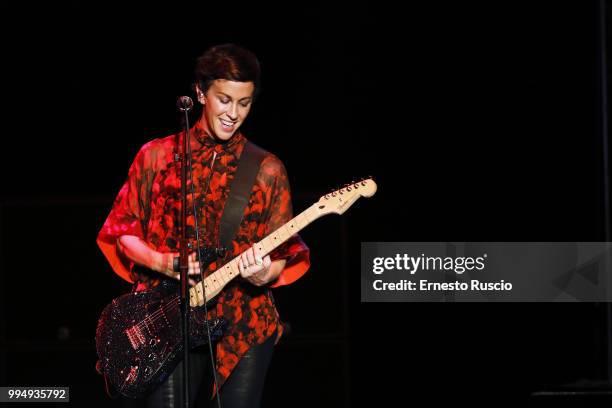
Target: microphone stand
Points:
(204, 256)
(184, 104)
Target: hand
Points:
(168, 269)
(256, 269)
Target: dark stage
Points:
(479, 121)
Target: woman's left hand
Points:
(257, 269)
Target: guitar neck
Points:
(216, 281)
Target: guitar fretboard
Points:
(216, 281)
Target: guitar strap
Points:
(240, 192)
(239, 195)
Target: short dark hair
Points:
(227, 61)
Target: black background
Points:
(479, 122)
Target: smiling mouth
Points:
(227, 124)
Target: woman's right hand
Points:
(168, 260)
(135, 249)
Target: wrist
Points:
(276, 268)
(161, 262)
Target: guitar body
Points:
(139, 340)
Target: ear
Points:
(201, 96)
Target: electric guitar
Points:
(138, 337)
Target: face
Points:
(226, 106)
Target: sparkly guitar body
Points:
(139, 341)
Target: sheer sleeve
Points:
(127, 217)
(280, 211)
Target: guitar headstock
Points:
(340, 200)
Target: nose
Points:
(232, 112)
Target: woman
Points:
(141, 234)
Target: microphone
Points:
(184, 103)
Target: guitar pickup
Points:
(135, 336)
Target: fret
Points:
(260, 247)
(282, 234)
(220, 277)
(275, 239)
(263, 244)
(293, 226)
(234, 268)
(200, 295)
(212, 282)
(227, 272)
(302, 220)
(309, 216)
(268, 244)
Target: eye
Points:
(245, 104)
(224, 100)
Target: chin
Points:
(224, 136)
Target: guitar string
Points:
(160, 311)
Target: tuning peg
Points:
(363, 180)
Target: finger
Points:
(194, 267)
(241, 266)
(258, 255)
(267, 261)
(256, 280)
(245, 259)
(193, 259)
(261, 277)
(250, 256)
(195, 270)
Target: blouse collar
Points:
(209, 142)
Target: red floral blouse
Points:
(149, 206)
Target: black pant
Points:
(242, 389)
